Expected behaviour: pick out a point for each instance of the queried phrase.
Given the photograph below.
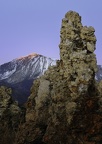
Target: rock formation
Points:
(10, 116)
(65, 105)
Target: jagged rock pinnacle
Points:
(61, 92)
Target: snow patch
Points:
(96, 77)
(7, 74)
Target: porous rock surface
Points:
(11, 116)
(65, 105)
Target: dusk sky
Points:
(33, 26)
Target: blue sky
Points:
(28, 26)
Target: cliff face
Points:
(65, 104)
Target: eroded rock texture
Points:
(10, 116)
(65, 105)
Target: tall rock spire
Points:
(77, 47)
(63, 104)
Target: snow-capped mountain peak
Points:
(20, 73)
(30, 56)
(27, 67)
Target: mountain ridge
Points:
(26, 64)
(20, 73)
